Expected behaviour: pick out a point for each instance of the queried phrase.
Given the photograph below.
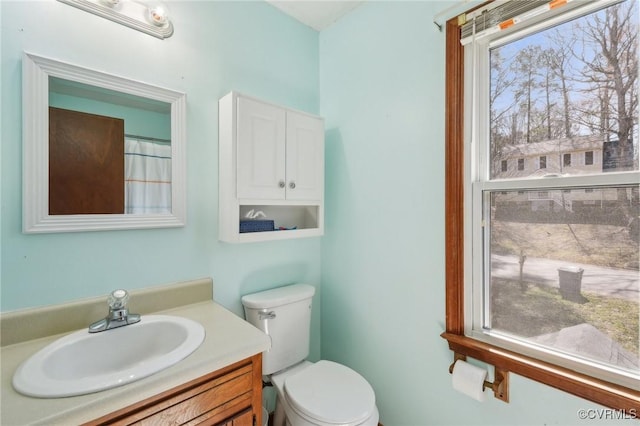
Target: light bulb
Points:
(158, 15)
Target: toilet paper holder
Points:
(500, 384)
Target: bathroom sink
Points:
(83, 362)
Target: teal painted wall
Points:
(137, 121)
(217, 47)
(382, 94)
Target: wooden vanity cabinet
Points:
(231, 396)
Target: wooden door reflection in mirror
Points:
(86, 167)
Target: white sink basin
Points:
(84, 362)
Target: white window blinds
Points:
(502, 15)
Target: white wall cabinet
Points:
(271, 160)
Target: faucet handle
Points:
(118, 299)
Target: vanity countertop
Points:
(228, 339)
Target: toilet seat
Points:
(330, 393)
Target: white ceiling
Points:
(317, 14)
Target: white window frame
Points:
(478, 183)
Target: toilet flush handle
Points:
(267, 315)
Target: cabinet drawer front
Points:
(244, 419)
(220, 417)
(213, 399)
(216, 397)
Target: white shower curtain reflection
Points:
(147, 177)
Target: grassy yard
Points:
(601, 245)
(541, 310)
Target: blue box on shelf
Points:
(256, 226)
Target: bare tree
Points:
(547, 73)
(559, 60)
(612, 71)
(524, 67)
(501, 81)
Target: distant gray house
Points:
(568, 156)
(578, 155)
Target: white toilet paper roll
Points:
(469, 379)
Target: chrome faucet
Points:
(118, 313)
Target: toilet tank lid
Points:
(278, 296)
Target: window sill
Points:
(592, 389)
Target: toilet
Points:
(308, 394)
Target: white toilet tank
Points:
(284, 314)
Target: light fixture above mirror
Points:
(151, 17)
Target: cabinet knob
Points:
(281, 184)
(292, 185)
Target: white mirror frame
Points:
(36, 71)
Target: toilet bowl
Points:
(324, 393)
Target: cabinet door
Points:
(243, 419)
(305, 157)
(260, 150)
(226, 397)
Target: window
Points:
(588, 158)
(543, 162)
(527, 100)
(503, 166)
(520, 163)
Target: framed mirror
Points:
(74, 119)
